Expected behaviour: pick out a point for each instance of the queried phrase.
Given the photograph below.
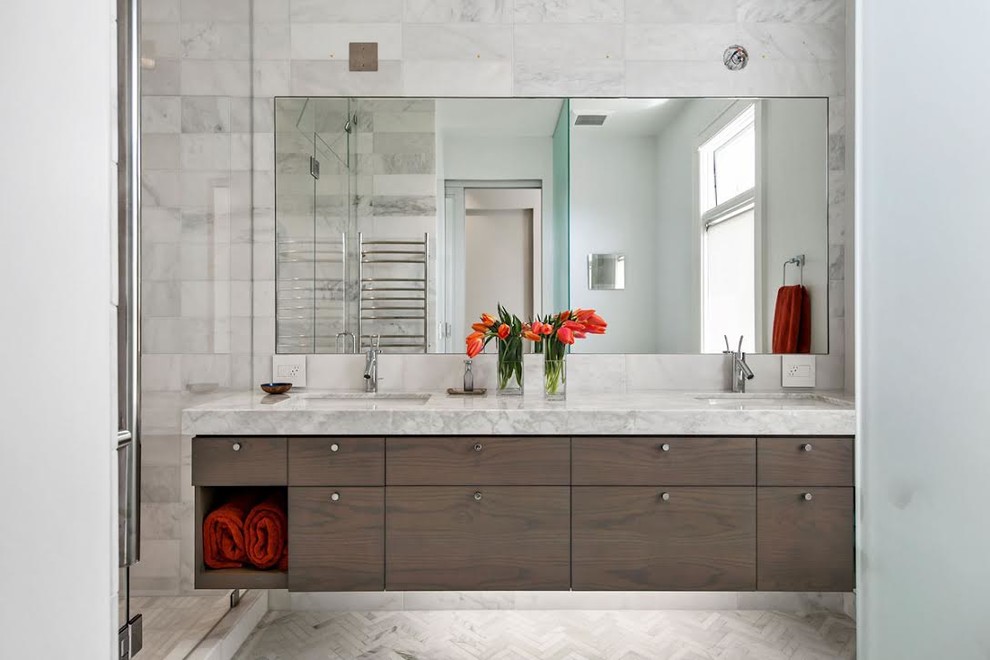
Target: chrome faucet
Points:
(740, 370)
(371, 365)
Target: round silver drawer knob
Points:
(477, 496)
(335, 497)
(335, 447)
(665, 447)
(808, 497)
(478, 447)
(806, 447)
(665, 497)
(236, 446)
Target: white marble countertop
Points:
(628, 413)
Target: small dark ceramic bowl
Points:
(276, 388)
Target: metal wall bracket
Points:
(314, 167)
(235, 598)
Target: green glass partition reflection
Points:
(559, 227)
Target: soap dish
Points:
(276, 388)
(478, 391)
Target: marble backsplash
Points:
(585, 373)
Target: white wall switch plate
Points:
(289, 369)
(797, 370)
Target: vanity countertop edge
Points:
(628, 413)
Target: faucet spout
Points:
(747, 373)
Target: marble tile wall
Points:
(209, 193)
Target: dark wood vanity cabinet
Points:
(676, 538)
(670, 461)
(545, 513)
(806, 539)
(805, 514)
(474, 538)
(237, 461)
(480, 460)
(336, 539)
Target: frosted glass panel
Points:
(730, 266)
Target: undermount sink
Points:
(771, 399)
(392, 397)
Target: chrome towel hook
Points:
(799, 261)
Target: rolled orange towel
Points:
(223, 534)
(266, 534)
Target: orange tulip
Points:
(503, 331)
(532, 336)
(594, 319)
(475, 345)
(583, 314)
(565, 315)
(475, 335)
(546, 329)
(579, 334)
(488, 320)
(479, 327)
(565, 335)
(574, 325)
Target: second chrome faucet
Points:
(371, 364)
(739, 369)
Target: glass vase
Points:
(510, 367)
(555, 378)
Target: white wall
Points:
(58, 545)
(795, 208)
(922, 319)
(613, 209)
(677, 244)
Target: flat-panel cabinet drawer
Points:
(477, 538)
(806, 539)
(336, 539)
(339, 461)
(481, 461)
(662, 539)
(805, 461)
(235, 461)
(623, 461)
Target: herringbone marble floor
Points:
(550, 635)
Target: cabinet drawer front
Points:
(805, 461)
(617, 461)
(344, 461)
(477, 538)
(336, 543)
(231, 461)
(477, 461)
(631, 538)
(805, 545)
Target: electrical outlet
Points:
(289, 369)
(797, 370)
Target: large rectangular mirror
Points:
(681, 221)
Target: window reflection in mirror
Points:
(465, 203)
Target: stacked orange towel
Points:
(223, 534)
(266, 534)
